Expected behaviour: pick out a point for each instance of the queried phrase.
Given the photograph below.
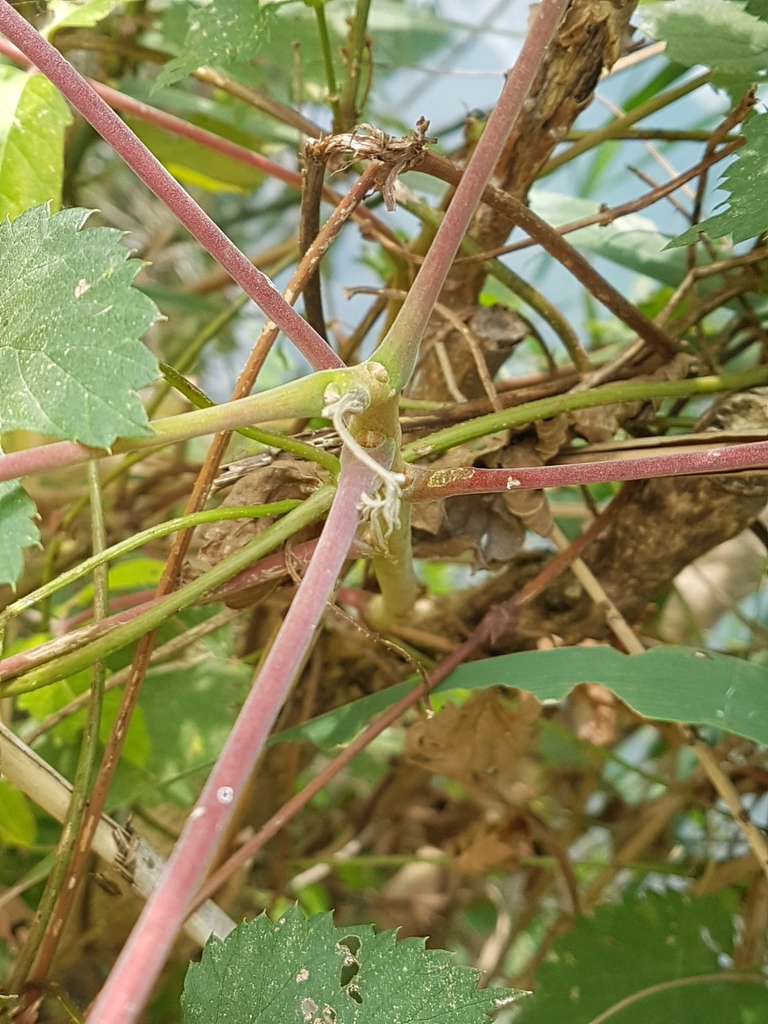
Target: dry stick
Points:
(553, 242)
(94, 109)
(49, 790)
(706, 758)
(612, 213)
(51, 912)
(494, 619)
(309, 227)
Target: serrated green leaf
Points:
(17, 529)
(757, 8)
(308, 970)
(33, 118)
(65, 14)
(669, 684)
(17, 822)
(220, 32)
(623, 950)
(747, 180)
(719, 34)
(194, 164)
(70, 350)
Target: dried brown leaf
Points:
(485, 745)
(279, 481)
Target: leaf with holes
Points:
(747, 180)
(71, 357)
(17, 530)
(33, 118)
(307, 969)
(221, 32)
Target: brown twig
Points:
(562, 251)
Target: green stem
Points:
(60, 668)
(546, 408)
(330, 71)
(268, 437)
(616, 127)
(516, 284)
(190, 352)
(396, 576)
(348, 111)
(46, 926)
(212, 515)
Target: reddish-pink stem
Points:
(401, 345)
(141, 960)
(106, 122)
(171, 123)
(447, 483)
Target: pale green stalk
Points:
(546, 408)
(68, 664)
(212, 515)
(268, 437)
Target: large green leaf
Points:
(220, 32)
(189, 713)
(65, 14)
(716, 33)
(17, 822)
(669, 684)
(747, 180)
(633, 241)
(307, 970)
(39, 704)
(623, 950)
(70, 351)
(195, 164)
(17, 529)
(759, 8)
(33, 117)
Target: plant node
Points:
(382, 509)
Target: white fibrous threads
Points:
(512, 483)
(382, 509)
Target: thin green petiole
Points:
(212, 515)
(546, 408)
(267, 437)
